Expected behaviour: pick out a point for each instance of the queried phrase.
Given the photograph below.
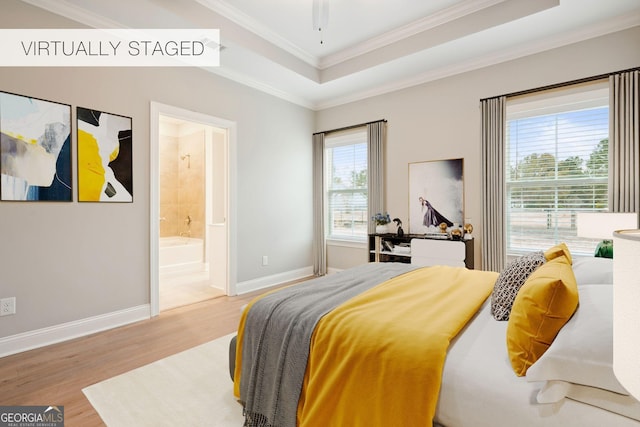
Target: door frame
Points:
(156, 110)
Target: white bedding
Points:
(480, 389)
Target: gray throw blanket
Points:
(277, 336)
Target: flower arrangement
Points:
(381, 219)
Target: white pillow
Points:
(554, 391)
(593, 270)
(613, 402)
(582, 352)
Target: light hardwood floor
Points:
(56, 375)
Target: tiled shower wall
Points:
(182, 191)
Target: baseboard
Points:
(185, 268)
(78, 328)
(273, 280)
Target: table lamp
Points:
(626, 315)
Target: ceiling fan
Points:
(320, 16)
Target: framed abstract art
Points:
(35, 149)
(105, 156)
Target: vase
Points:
(382, 229)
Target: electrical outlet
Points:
(265, 260)
(7, 306)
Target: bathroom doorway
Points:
(191, 254)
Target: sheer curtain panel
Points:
(624, 144)
(493, 183)
(319, 243)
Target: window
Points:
(346, 186)
(556, 165)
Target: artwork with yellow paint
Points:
(104, 157)
(35, 152)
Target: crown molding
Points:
(441, 17)
(260, 86)
(256, 27)
(64, 8)
(74, 13)
(67, 10)
(620, 23)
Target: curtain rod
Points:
(351, 127)
(558, 85)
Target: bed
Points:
(313, 372)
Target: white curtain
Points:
(376, 134)
(624, 142)
(319, 241)
(493, 184)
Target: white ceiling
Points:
(369, 47)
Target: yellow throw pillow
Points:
(557, 251)
(545, 302)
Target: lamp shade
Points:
(601, 225)
(626, 310)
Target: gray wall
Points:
(69, 261)
(441, 119)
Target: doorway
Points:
(192, 254)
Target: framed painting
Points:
(35, 149)
(436, 195)
(105, 156)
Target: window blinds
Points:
(346, 162)
(556, 165)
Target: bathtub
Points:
(179, 254)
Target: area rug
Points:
(191, 388)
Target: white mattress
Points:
(479, 388)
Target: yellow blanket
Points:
(377, 359)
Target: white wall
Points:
(441, 119)
(70, 261)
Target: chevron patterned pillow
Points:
(510, 281)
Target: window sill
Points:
(346, 243)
